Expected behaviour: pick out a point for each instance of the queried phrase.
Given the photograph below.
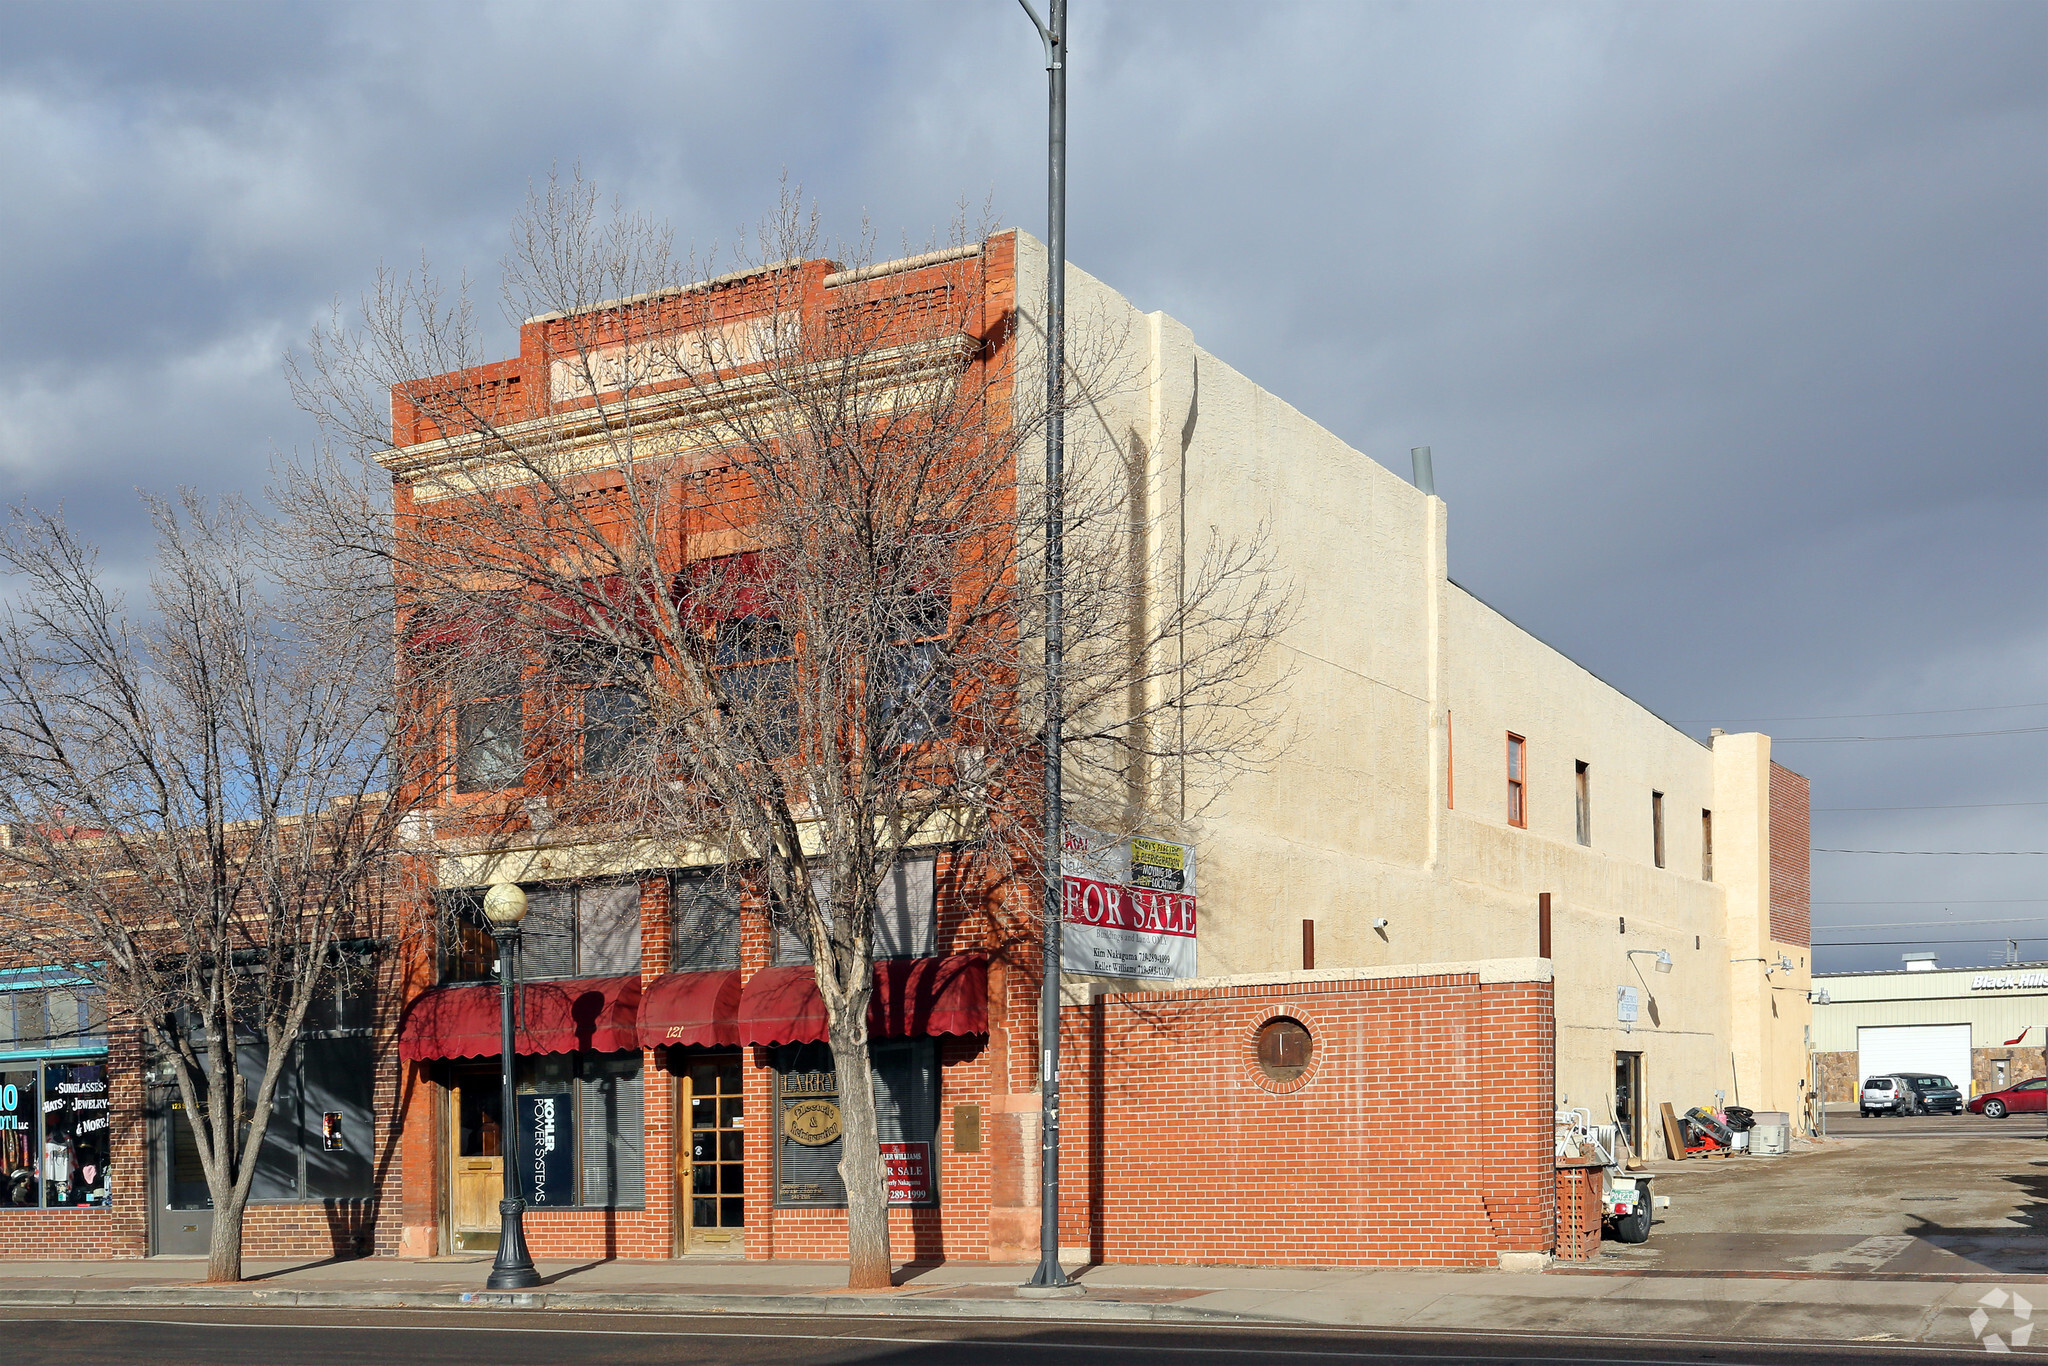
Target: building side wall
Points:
(1184, 1151)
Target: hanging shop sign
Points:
(547, 1161)
(1129, 906)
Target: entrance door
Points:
(711, 1165)
(1628, 1098)
(180, 1207)
(476, 1162)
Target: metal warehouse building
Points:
(1981, 1027)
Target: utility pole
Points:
(1050, 1275)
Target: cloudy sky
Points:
(1728, 323)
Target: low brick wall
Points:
(1420, 1136)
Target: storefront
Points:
(658, 1025)
(55, 1101)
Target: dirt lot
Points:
(1940, 1195)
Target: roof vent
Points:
(1425, 475)
(1918, 962)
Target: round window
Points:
(1284, 1049)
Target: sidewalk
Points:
(1561, 1301)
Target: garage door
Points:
(1942, 1049)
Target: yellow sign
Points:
(813, 1123)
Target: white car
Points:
(1883, 1096)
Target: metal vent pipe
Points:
(1425, 476)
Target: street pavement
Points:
(426, 1338)
(1865, 1243)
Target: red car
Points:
(2028, 1095)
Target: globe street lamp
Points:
(504, 908)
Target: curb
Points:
(832, 1305)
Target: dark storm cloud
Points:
(1728, 324)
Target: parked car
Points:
(1883, 1096)
(2027, 1096)
(1932, 1093)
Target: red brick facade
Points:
(1420, 1136)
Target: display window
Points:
(54, 1146)
(807, 1131)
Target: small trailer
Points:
(1625, 1199)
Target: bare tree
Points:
(761, 559)
(195, 824)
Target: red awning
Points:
(781, 1005)
(918, 997)
(589, 1015)
(914, 998)
(691, 1008)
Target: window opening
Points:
(756, 662)
(704, 911)
(905, 1076)
(570, 930)
(1657, 828)
(1518, 813)
(1585, 795)
(614, 728)
(489, 744)
(1285, 1049)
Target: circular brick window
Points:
(1284, 1049)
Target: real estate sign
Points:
(1130, 906)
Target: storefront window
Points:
(580, 1140)
(53, 1090)
(807, 1131)
(53, 1135)
(317, 1143)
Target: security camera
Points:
(1380, 924)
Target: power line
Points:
(1867, 739)
(1931, 939)
(1909, 924)
(1954, 806)
(1980, 852)
(1866, 715)
(1948, 901)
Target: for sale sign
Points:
(1129, 906)
(907, 1168)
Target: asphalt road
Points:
(1853, 1125)
(272, 1337)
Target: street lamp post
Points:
(505, 907)
(1049, 1275)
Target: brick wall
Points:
(1791, 858)
(1421, 1135)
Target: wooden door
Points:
(711, 1212)
(476, 1162)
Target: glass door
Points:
(711, 1164)
(476, 1162)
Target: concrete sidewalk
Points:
(1571, 1302)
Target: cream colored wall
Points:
(1353, 824)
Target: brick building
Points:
(1483, 884)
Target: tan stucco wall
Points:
(1392, 666)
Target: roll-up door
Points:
(1941, 1049)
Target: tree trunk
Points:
(860, 1162)
(224, 1256)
